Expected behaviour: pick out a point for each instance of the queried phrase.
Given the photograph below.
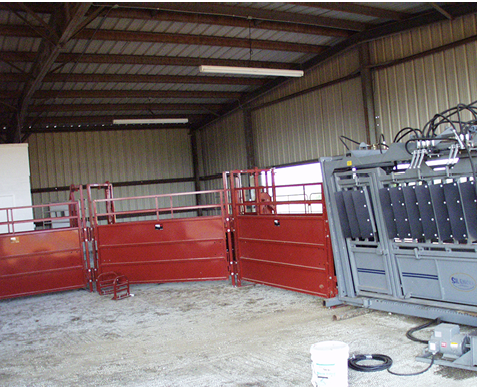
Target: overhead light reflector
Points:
(152, 121)
(250, 71)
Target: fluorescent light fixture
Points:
(250, 71)
(152, 121)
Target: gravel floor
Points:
(200, 334)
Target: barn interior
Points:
(142, 149)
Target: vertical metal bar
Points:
(274, 189)
(256, 183)
(157, 207)
(12, 221)
(249, 143)
(368, 94)
(196, 168)
(171, 204)
(86, 236)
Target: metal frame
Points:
(42, 260)
(290, 251)
(179, 246)
(403, 235)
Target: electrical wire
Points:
(410, 332)
(415, 373)
(386, 363)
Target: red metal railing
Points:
(44, 257)
(280, 239)
(175, 240)
(158, 209)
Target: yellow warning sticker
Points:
(349, 163)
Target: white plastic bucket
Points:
(329, 364)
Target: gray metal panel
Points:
(428, 218)
(469, 201)
(438, 200)
(362, 208)
(400, 213)
(388, 213)
(456, 212)
(413, 214)
(340, 204)
(351, 214)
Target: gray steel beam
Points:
(368, 94)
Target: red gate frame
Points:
(41, 261)
(250, 222)
(187, 233)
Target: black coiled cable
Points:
(386, 362)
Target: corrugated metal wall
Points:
(410, 93)
(222, 147)
(299, 129)
(62, 159)
(309, 126)
(334, 68)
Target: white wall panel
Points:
(308, 127)
(62, 159)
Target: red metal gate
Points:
(281, 239)
(47, 257)
(178, 241)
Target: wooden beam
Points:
(134, 78)
(23, 56)
(251, 13)
(358, 9)
(187, 39)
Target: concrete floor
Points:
(201, 334)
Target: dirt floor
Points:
(201, 334)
